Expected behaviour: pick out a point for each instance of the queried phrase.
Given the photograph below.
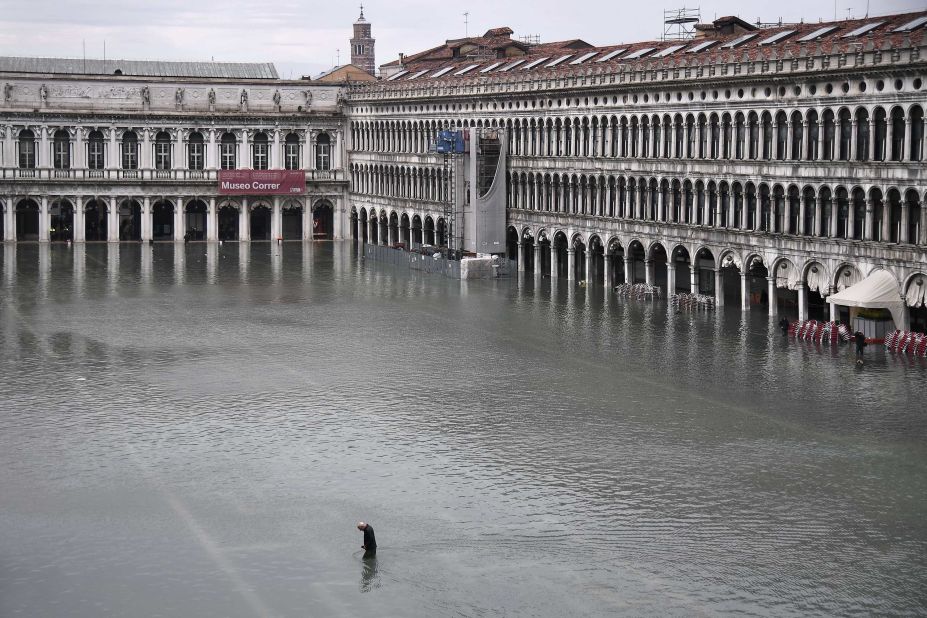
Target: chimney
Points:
(402, 57)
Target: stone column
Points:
(276, 219)
(744, 297)
(802, 211)
(886, 220)
(145, 158)
(79, 160)
(590, 262)
(307, 219)
(571, 264)
(661, 205)
(869, 226)
(112, 157)
(146, 219)
(212, 151)
(179, 220)
(244, 152)
(608, 139)
(44, 219)
(648, 272)
(275, 152)
(903, 233)
(79, 222)
(670, 279)
(112, 221)
(521, 256)
(44, 159)
(833, 312)
(244, 221)
(719, 288)
(802, 301)
(693, 279)
(628, 275)
(554, 263)
(771, 293)
(212, 221)
(906, 146)
(923, 231)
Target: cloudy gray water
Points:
(193, 431)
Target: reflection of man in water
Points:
(370, 541)
(370, 578)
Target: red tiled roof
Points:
(882, 37)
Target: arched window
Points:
(846, 134)
(291, 152)
(862, 134)
(259, 152)
(196, 151)
(163, 150)
(897, 133)
(916, 120)
(323, 149)
(26, 149)
(129, 151)
(830, 135)
(96, 159)
(62, 150)
(228, 151)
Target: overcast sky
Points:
(302, 36)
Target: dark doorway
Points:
(260, 223)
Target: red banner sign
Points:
(262, 182)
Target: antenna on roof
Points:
(466, 23)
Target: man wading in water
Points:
(370, 541)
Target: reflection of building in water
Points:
(766, 166)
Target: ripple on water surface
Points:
(193, 430)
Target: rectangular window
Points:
(228, 156)
(27, 154)
(197, 161)
(130, 155)
(259, 158)
(95, 155)
(62, 155)
(291, 157)
(323, 156)
(162, 156)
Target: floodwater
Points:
(194, 431)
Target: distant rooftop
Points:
(139, 68)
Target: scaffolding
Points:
(452, 146)
(679, 24)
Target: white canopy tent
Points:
(877, 291)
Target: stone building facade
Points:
(763, 166)
(771, 166)
(134, 154)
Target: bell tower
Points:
(362, 53)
